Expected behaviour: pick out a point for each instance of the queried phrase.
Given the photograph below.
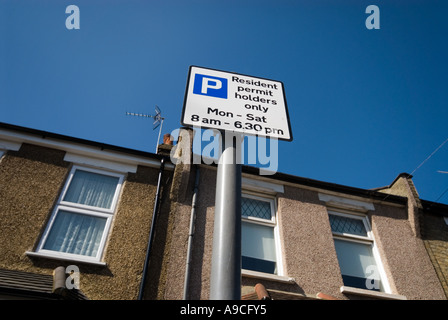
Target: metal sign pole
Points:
(225, 282)
(217, 99)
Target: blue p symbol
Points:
(210, 86)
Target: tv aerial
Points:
(158, 121)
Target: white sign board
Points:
(234, 102)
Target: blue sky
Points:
(365, 105)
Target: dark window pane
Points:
(260, 265)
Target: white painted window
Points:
(260, 244)
(356, 251)
(79, 225)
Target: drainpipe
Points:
(191, 235)
(151, 232)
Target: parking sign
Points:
(235, 102)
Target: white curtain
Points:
(75, 233)
(78, 233)
(355, 259)
(91, 189)
(257, 241)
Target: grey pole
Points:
(225, 281)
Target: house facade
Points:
(69, 202)
(138, 225)
(434, 231)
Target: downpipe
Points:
(191, 236)
(151, 232)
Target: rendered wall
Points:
(308, 249)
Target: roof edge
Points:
(103, 146)
(372, 194)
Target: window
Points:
(356, 252)
(80, 222)
(259, 245)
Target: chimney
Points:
(59, 277)
(165, 148)
(167, 139)
(262, 293)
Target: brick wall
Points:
(435, 237)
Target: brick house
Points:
(139, 226)
(434, 220)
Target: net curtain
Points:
(77, 233)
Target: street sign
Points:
(234, 102)
(244, 105)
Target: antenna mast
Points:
(158, 120)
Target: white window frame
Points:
(87, 207)
(107, 213)
(270, 223)
(369, 239)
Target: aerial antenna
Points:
(158, 121)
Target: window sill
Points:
(371, 294)
(266, 276)
(63, 258)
